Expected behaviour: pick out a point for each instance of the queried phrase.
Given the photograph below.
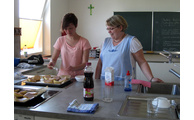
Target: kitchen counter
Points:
(154, 57)
(159, 58)
(56, 107)
(16, 69)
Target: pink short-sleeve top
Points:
(71, 56)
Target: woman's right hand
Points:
(50, 65)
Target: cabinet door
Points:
(45, 118)
(161, 70)
(94, 63)
(23, 117)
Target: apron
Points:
(117, 57)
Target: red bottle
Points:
(88, 90)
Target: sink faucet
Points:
(169, 57)
(175, 73)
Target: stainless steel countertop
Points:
(159, 58)
(56, 107)
(16, 69)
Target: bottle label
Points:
(109, 83)
(88, 92)
(109, 78)
(25, 54)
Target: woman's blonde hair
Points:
(116, 21)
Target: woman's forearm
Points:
(55, 56)
(145, 68)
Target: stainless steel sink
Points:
(136, 106)
(160, 88)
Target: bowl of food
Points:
(80, 78)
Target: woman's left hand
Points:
(157, 80)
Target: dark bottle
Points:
(88, 90)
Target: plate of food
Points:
(48, 80)
(23, 95)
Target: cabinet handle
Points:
(27, 118)
(40, 71)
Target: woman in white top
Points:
(121, 51)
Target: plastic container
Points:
(109, 76)
(128, 86)
(108, 92)
(109, 85)
(88, 90)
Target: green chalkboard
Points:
(139, 25)
(157, 31)
(166, 27)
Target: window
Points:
(31, 34)
(30, 13)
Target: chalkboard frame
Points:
(151, 50)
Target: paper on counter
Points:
(144, 83)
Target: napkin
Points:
(74, 106)
(144, 83)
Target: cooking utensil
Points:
(55, 68)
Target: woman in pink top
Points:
(73, 48)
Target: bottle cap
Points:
(128, 73)
(88, 63)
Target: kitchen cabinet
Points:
(161, 70)
(29, 117)
(94, 63)
(23, 117)
(46, 118)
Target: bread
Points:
(16, 90)
(23, 92)
(37, 78)
(30, 94)
(46, 77)
(48, 81)
(18, 95)
(66, 76)
(56, 82)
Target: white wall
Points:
(46, 29)
(53, 14)
(93, 27)
(58, 9)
